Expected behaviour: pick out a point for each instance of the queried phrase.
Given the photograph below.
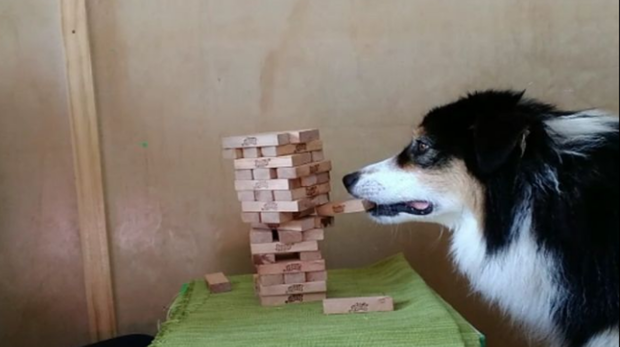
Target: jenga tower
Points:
(281, 178)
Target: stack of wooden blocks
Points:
(281, 179)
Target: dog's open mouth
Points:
(416, 208)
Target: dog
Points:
(531, 194)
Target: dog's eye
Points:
(421, 147)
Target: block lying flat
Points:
(302, 193)
(314, 235)
(277, 206)
(218, 283)
(267, 185)
(304, 136)
(259, 140)
(291, 299)
(304, 224)
(282, 248)
(291, 267)
(303, 170)
(358, 305)
(292, 149)
(289, 289)
(274, 163)
(353, 206)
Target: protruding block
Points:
(272, 301)
(292, 149)
(304, 170)
(291, 267)
(264, 196)
(276, 217)
(302, 193)
(244, 175)
(317, 276)
(277, 206)
(304, 136)
(358, 305)
(314, 235)
(353, 206)
(317, 156)
(310, 256)
(296, 288)
(273, 163)
(261, 237)
(232, 154)
(303, 224)
(282, 248)
(290, 237)
(218, 283)
(259, 140)
(265, 174)
(251, 218)
(267, 185)
(271, 279)
(294, 278)
(264, 259)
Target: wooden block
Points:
(244, 175)
(265, 174)
(281, 248)
(290, 237)
(264, 195)
(303, 224)
(251, 218)
(317, 156)
(264, 259)
(271, 280)
(218, 283)
(302, 193)
(232, 154)
(303, 170)
(353, 206)
(290, 289)
(304, 136)
(267, 185)
(304, 214)
(314, 235)
(291, 267)
(295, 278)
(358, 305)
(309, 181)
(273, 301)
(259, 140)
(317, 276)
(261, 237)
(321, 200)
(292, 149)
(276, 217)
(310, 256)
(255, 152)
(246, 196)
(323, 178)
(274, 163)
(277, 206)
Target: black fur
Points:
(507, 146)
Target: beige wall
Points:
(42, 301)
(173, 77)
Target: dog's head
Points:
(442, 173)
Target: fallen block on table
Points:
(358, 305)
(218, 283)
(353, 206)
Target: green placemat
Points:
(199, 319)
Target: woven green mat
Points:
(199, 319)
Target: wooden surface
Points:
(88, 172)
(42, 300)
(174, 77)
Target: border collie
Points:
(531, 194)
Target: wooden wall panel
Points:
(42, 300)
(174, 76)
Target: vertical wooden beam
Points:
(88, 170)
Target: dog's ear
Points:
(499, 132)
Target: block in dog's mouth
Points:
(416, 208)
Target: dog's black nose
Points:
(351, 180)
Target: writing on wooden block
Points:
(292, 149)
(295, 278)
(299, 288)
(270, 301)
(304, 170)
(273, 163)
(284, 184)
(317, 276)
(232, 154)
(277, 206)
(314, 235)
(218, 283)
(358, 305)
(291, 267)
(259, 140)
(282, 248)
(353, 206)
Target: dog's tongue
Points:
(420, 205)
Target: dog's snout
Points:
(351, 180)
